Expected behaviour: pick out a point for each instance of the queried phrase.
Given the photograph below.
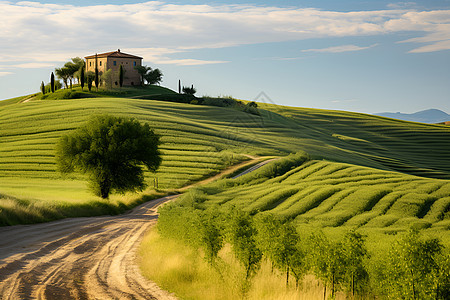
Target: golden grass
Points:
(183, 271)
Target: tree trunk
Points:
(324, 291)
(105, 189)
(332, 286)
(353, 284)
(287, 277)
(413, 288)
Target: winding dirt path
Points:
(79, 258)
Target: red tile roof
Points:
(114, 54)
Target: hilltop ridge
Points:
(425, 116)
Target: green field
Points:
(199, 140)
(350, 171)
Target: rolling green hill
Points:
(199, 140)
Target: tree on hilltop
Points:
(82, 77)
(63, 74)
(149, 75)
(52, 82)
(112, 150)
(189, 90)
(121, 75)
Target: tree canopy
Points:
(112, 150)
(149, 75)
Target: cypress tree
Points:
(121, 75)
(52, 82)
(82, 78)
(42, 88)
(179, 86)
(96, 73)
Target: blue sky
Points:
(364, 56)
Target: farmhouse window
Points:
(114, 63)
(100, 63)
(134, 63)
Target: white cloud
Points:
(339, 49)
(32, 32)
(5, 73)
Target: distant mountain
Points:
(424, 116)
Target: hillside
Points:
(199, 140)
(424, 116)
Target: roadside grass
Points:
(182, 270)
(26, 210)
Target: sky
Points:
(362, 56)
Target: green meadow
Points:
(199, 141)
(337, 171)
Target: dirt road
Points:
(81, 258)
(78, 258)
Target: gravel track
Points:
(78, 258)
(82, 258)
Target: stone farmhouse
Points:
(113, 60)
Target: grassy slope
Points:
(200, 140)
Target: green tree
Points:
(96, 78)
(354, 252)
(189, 90)
(90, 77)
(278, 242)
(142, 70)
(242, 233)
(121, 75)
(52, 82)
(211, 234)
(147, 74)
(415, 269)
(108, 78)
(153, 76)
(327, 261)
(112, 151)
(63, 74)
(82, 77)
(42, 88)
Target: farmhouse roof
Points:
(115, 54)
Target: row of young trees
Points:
(414, 267)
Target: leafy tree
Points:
(52, 82)
(63, 74)
(414, 269)
(108, 78)
(42, 88)
(112, 151)
(211, 234)
(153, 76)
(149, 75)
(189, 90)
(354, 252)
(278, 242)
(142, 70)
(90, 77)
(327, 261)
(242, 234)
(121, 75)
(77, 64)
